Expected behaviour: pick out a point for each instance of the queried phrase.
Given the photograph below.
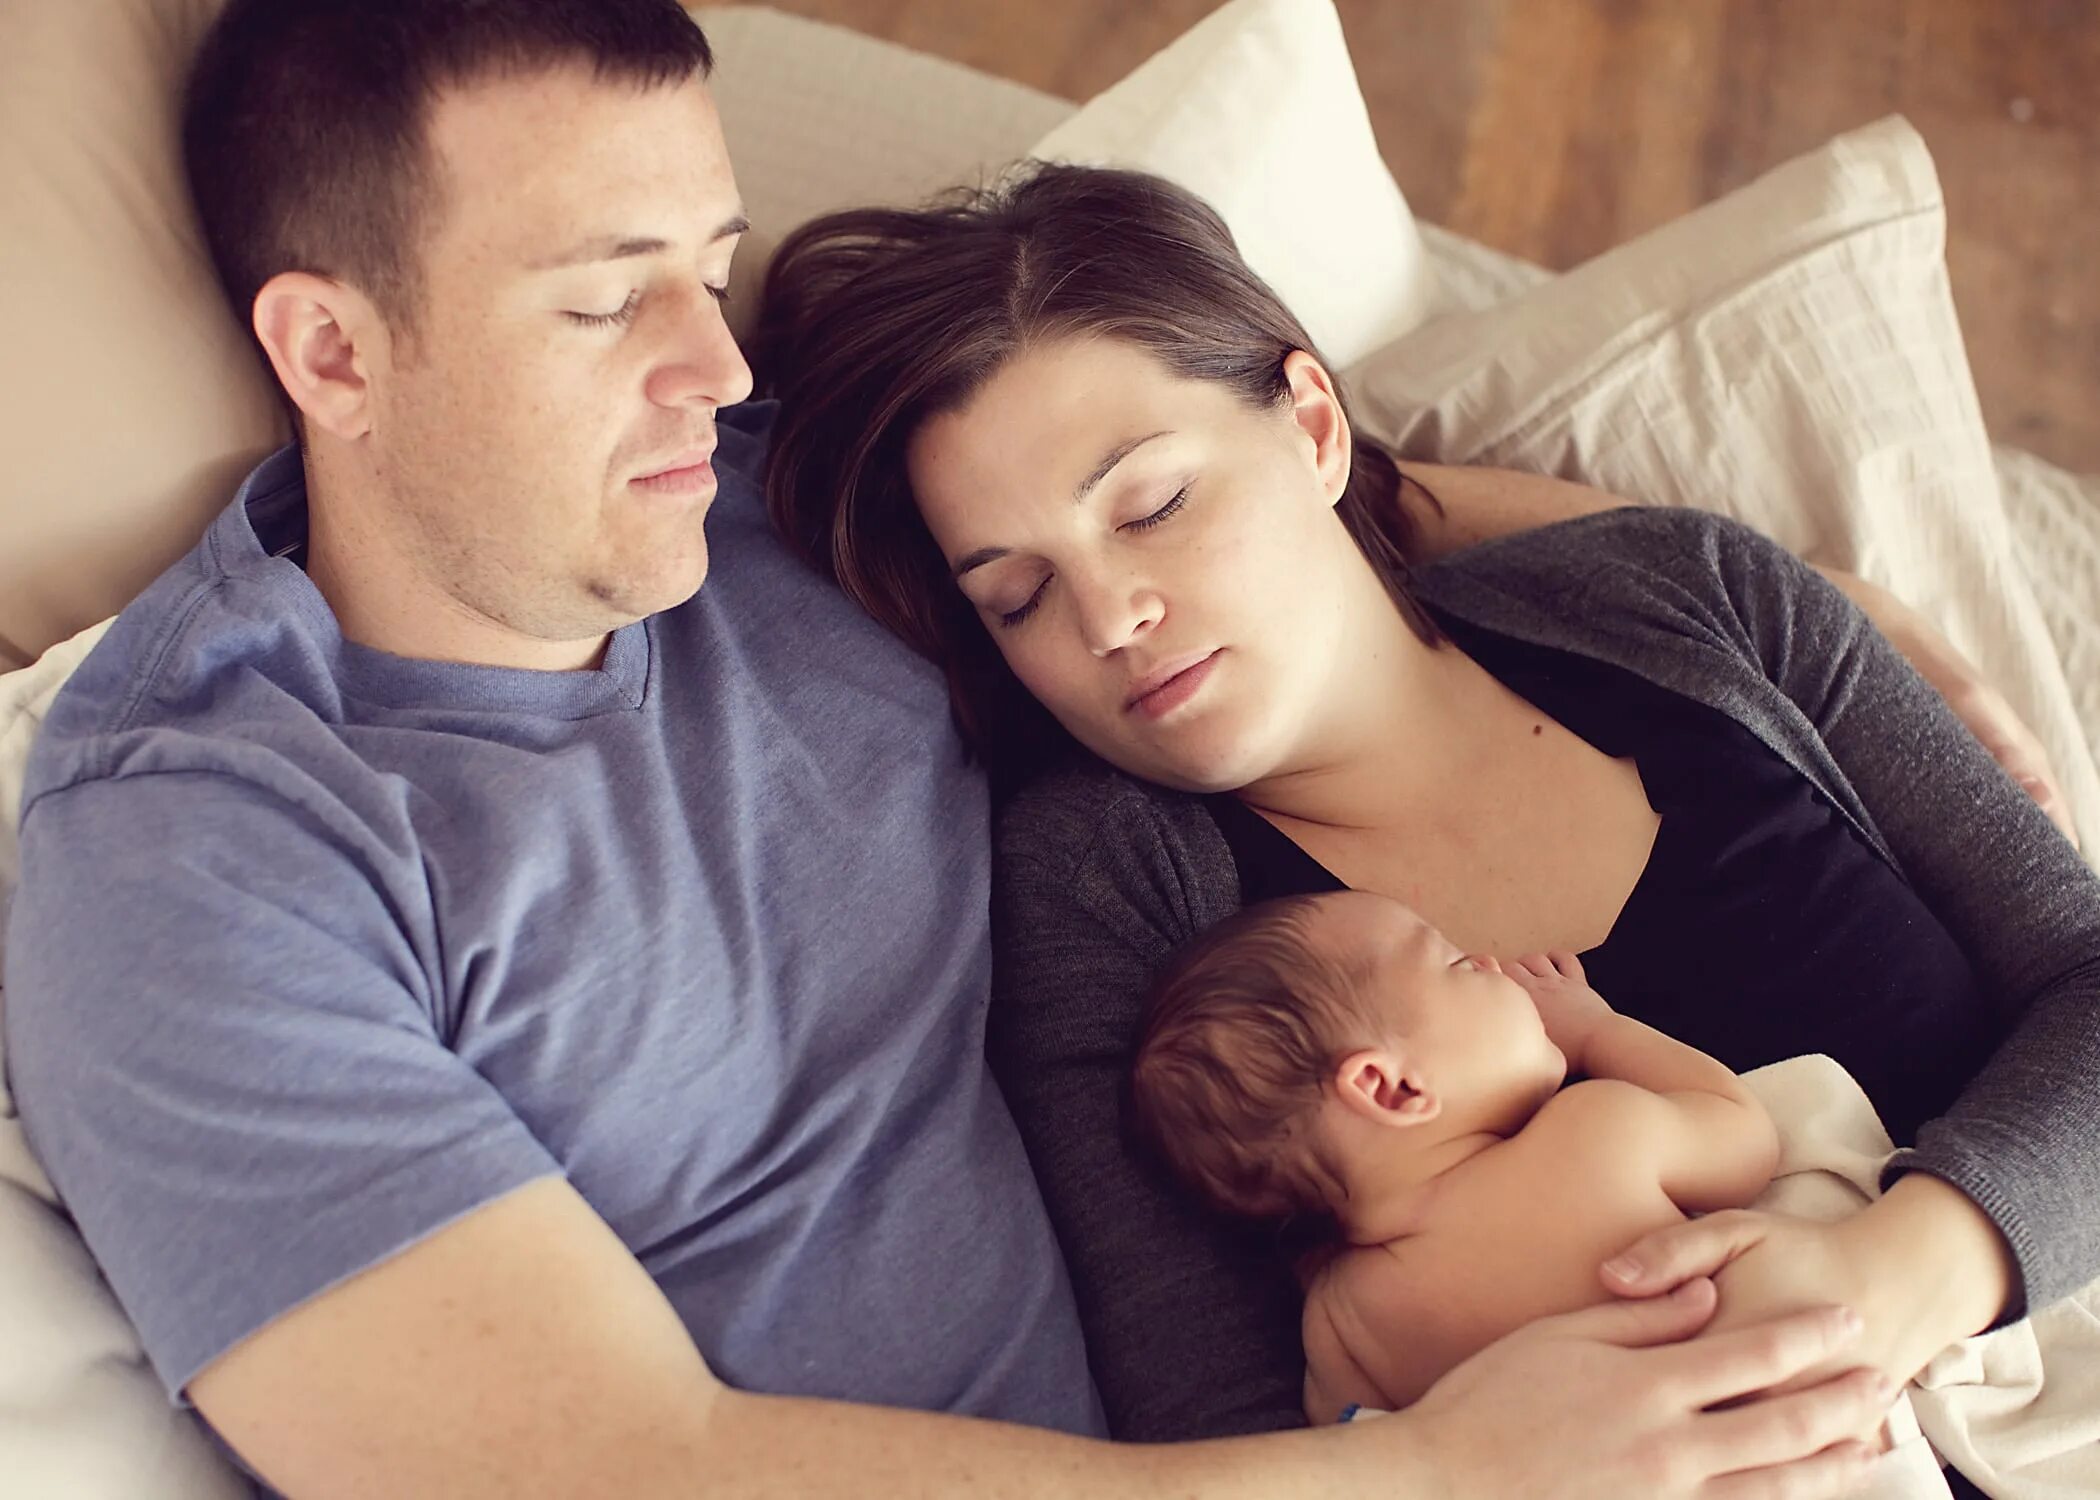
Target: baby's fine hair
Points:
(1244, 1030)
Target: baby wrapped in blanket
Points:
(1336, 1057)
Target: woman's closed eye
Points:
(1145, 523)
(1012, 617)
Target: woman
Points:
(1062, 441)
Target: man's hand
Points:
(1606, 1402)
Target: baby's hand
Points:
(1565, 1001)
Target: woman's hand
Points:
(1610, 1402)
(1922, 1265)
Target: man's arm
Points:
(522, 1353)
(1478, 504)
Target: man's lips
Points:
(687, 473)
(1170, 684)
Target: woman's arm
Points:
(1998, 1212)
(1191, 1323)
(1477, 504)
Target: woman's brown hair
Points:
(875, 320)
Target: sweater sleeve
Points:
(1997, 874)
(1191, 1321)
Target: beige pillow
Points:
(1787, 355)
(129, 405)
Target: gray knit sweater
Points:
(1192, 1327)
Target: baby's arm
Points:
(1716, 1144)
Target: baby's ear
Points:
(1378, 1084)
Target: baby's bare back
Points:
(1513, 1234)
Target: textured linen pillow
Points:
(1787, 355)
(1257, 110)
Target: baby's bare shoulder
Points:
(1592, 1114)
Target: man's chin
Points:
(632, 599)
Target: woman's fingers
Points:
(1656, 1262)
(1638, 1324)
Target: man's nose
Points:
(703, 363)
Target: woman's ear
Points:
(1317, 409)
(321, 337)
(1378, 1085)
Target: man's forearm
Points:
(771, 1446)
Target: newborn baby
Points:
(1335, 1056)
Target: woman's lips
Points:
(1176, 690)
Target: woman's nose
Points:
(1111, 618)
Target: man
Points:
(507, 1018)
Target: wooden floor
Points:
(1555, 129)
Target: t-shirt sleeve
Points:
(1996, 873)
(224, 1047)
(1191, 1322)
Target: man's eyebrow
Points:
(621, 247)
(1115, 456)
(1085, 487)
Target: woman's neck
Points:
(1401, 723)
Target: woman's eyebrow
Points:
(1114, 456)
(978, 559)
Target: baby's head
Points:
(1300, 1033)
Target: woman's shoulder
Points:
(1084, 808)
(1088, 829)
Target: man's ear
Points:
(1379, 1085)
(1317, 409)
(322, 338)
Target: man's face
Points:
(570, 350)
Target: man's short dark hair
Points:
(305, 133)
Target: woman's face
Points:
(1160, 563)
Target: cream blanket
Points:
(2016, 1410)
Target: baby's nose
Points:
(1484, 961)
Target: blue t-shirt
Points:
(318, 949)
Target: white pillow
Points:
(1257, 110)
(1787, 355)
(81, 1413)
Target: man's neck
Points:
(384, 597)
